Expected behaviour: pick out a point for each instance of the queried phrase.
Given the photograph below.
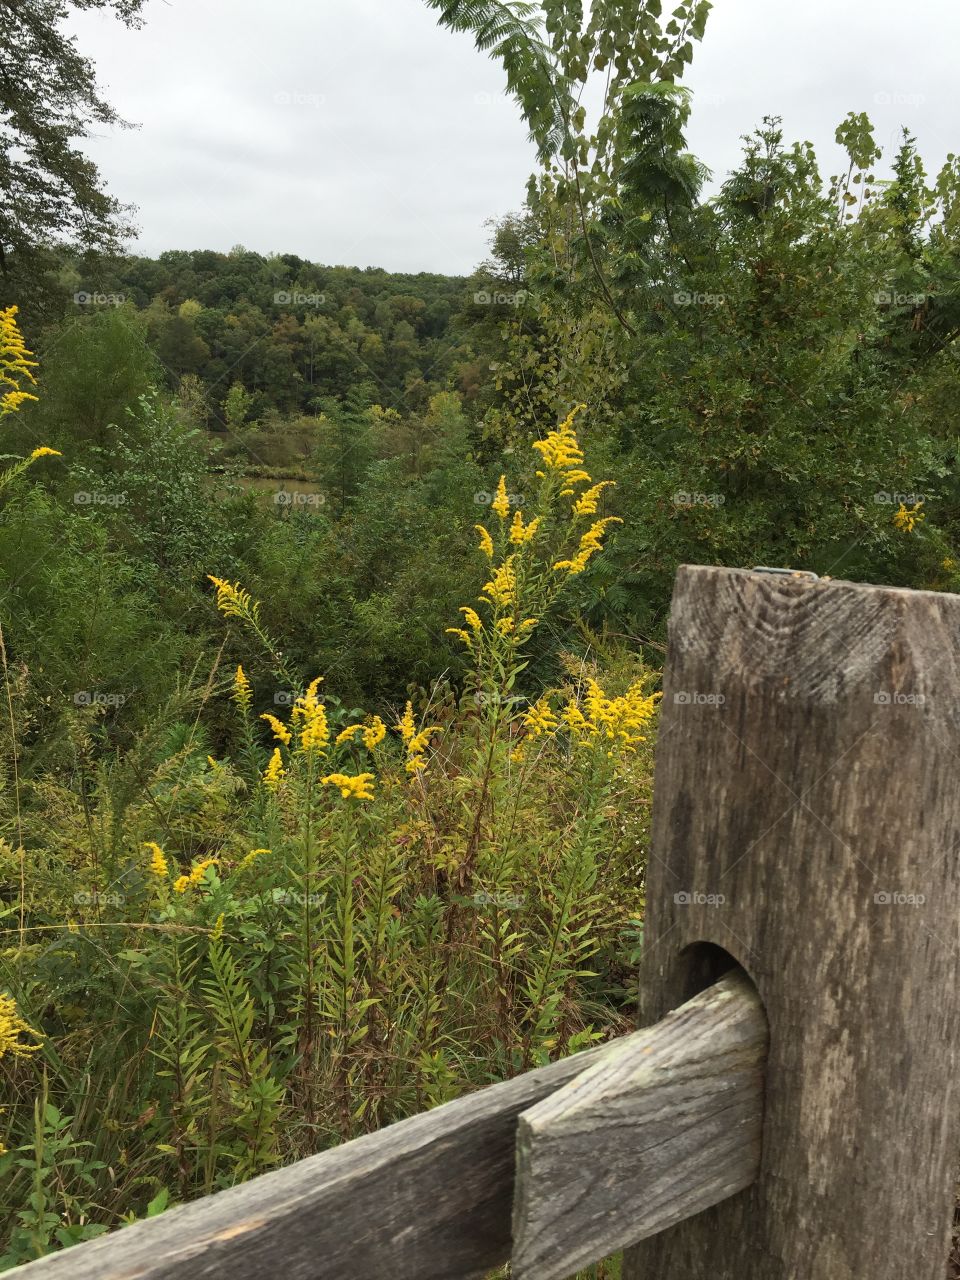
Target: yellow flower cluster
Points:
(314, 730)
(44, 451)
(251, 858)
(612, 720)
(234, 602)
(242, 690)
(357, 787)
(539, 721)
(501, 503)
(586, 504)
(12, 1026)
(907, 518)
(561, 451)
(216, 933)
(15, 366)
(417, 743)
(486, 542)
(590, 543)
(197, 872)
(280, 730)
(499, 591)
(371, 734)
(158, 861)
(274, 773)
(521, 533)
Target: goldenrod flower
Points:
(12, 1026)
(242, 690)
(472, 618)
(234, 602)
(405, 725)
(314, 731)
(416, 749)
(347, 735)
(356, 787)
(274, 773)
(374, 733)
(615, 721)
(44, 451)
(459, 632)
(486, 542)
(586, 504)
(500, 589)
(280, 730)
(251, 857)
(15, 365)
(590, 544)
(561, 450)
(197, 872)
(158, 862)
(501, 503)
(540, 719)
(216, 933)
(520, 533)
(906, 519)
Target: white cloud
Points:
(358, 131)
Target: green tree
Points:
(49, 100)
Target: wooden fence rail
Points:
(792, 1114)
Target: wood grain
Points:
(665, 1125)
(429, 1198)
(806, 820)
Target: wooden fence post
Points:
(806, 822)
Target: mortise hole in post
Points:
(699, 966)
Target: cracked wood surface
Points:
(665, 1125)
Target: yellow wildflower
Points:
(274, 773)
(906, 519)
(505, 625)
(586, 504)
(617, 720)
(314, 732)
(416, 749)
(45, 452)
(356, 787)
(15, 365)
(486, 542)
(590, 543)
(540, 719)
(347, 735)
(280, 730)
(404, 725)
(242, 690)
(195, 876)
(499, 591)
(501, 503)
(12, 1026)
(216, 932)
(374, 733)
(251, 858)
(234, 602)
(472, 618)
(520, 533)
(158, 862)
(459, 632)
(561, 450)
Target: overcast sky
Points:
(358, 132)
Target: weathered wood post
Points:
(806, 822)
